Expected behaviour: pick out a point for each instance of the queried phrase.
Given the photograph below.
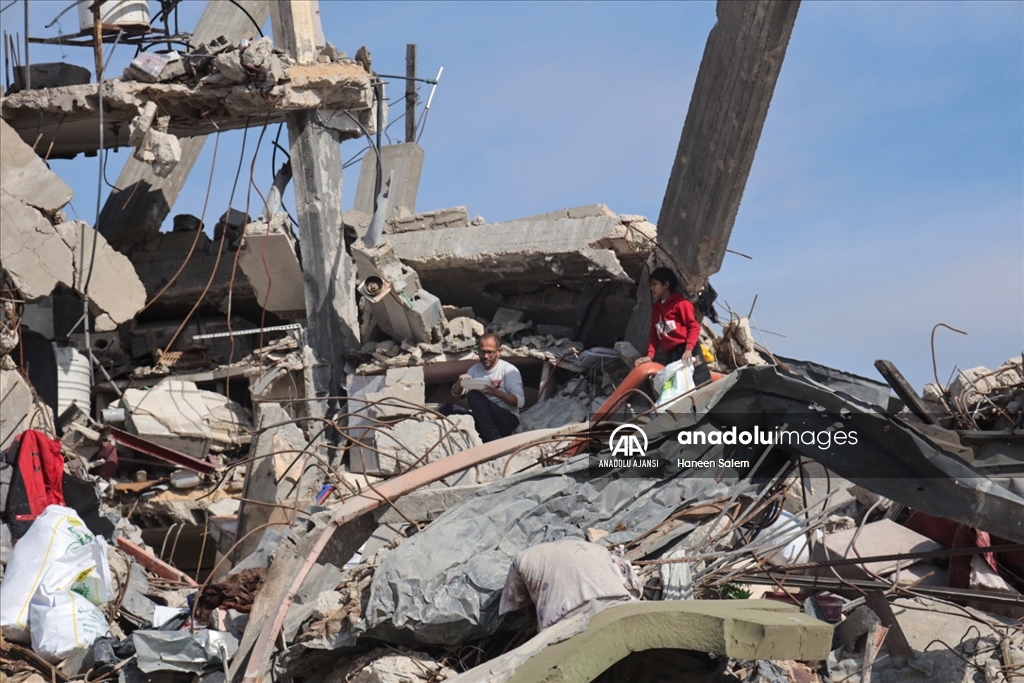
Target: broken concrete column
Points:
(406, 162)
(276, 475)
(269, 260)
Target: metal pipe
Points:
(28, 66)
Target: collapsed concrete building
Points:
(255, 414)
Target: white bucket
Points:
(123, 13)
(74, 379)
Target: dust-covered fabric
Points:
(563, 576)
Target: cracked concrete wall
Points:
(158, 260)
(18, 408)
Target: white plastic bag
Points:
(674, 380)
(53, 534)
(789, 532)
(84, 570)
(63, 622)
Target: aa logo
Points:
(628, 441)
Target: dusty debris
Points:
(387, 666)
(343, 86)
(239, 503)
(186, 418)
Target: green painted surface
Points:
(744, 629)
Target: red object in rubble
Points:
(38, 479)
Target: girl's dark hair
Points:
(666, 276)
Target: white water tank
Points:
(74, 379)
(123, 13)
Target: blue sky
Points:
(887, 194)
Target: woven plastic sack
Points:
(63, 622)
(54, 534)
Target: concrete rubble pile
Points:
(222, 517)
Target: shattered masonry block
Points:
(398, 392)
(504, 316)
(970, 385)
(370, 394)
(464, 328)
(403, 445)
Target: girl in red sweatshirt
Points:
(674, 327)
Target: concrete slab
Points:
(25, 176)
(269, 261)
(180, 416)
(557, 270)
(406, 161)
(67, 117)
(114, 286)
(455, 217)
(31, 251)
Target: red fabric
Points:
(673, 323)
(42, 469)
(952, 534)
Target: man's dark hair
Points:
(489, 335)
(666, 276)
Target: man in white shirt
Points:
(495, 407)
